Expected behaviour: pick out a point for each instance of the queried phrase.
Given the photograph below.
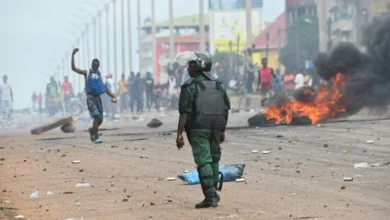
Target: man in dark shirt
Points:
(149, 85)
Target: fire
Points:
(327, 102)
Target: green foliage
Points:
(223, 58)
(302, 43)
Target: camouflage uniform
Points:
(204, 142)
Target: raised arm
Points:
(74, 68)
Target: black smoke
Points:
(368, 71)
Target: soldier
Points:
(204, 107)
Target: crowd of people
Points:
(136, 94)
(270, 82)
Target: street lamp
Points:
(115, 55)
(107, 7)
(99, 24)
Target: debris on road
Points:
(76, 161)
(326, 145)
(343, 187)
(49, 193)
(171, 178)
(137, 139)
(34, 195)
(50, 126)
(360, 165)
(240, 180)
(376, 165)
(154, 123)
(279, 136)
(68, 128)
(78, 185)
(348, 179)
(370, 142)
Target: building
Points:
(270, 41)
(342, 20)
(298, 8)
(228, 24)
(186, 37)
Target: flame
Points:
(327, 102)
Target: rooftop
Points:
(272, 29)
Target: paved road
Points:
(299, 179)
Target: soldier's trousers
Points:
(207, 153)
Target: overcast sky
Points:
(36, 34)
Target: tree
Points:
(302, 43)
(224, 58)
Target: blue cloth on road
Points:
(230, 173)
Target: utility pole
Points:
(171, 34)
(248, 11)
(130, 35)
(108, 37)
(87, 41)
(123, 34)
(201, 26)
(63, 69)
(94, 37)
(100, 34)
(279, 44)
(84, 55)
(139, 35)
(115, 55)
(154, 43)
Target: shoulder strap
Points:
(218, 84)
(201, 85)
(186, 84)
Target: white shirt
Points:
(172, 84)
(5, 90)
(110, 81)
(299, 81)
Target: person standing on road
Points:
(149, 85)
(40, 102)
(67, 91)
(123, 93)
(34, 100)
(94, 87)
(204, 108)
(138, 93)
(132, 90)
(265, 81)
(6, 98)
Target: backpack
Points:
(210, 105)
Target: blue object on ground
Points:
(230, 173)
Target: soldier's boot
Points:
(209, 201)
